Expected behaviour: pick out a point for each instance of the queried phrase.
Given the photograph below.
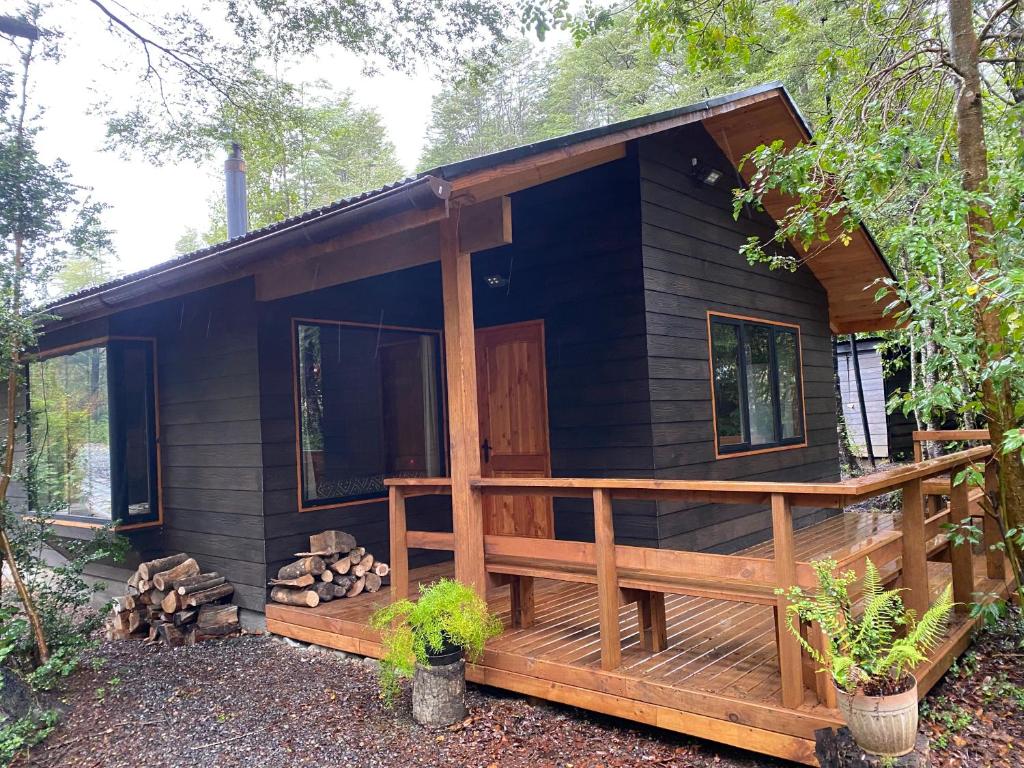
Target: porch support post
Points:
(790, 657)
(463, 418)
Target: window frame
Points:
(741, 322)
(118, 519)
(302, 504)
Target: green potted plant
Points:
(447, 622)
(873, 645)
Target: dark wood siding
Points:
(575, 262)
(691, 265)
(210, 433)
(410, 298)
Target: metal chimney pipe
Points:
(237, 201)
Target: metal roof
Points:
(274, 234)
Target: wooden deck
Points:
(718, 678)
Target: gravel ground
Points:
(975, 716)
(256, 702)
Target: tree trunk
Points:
(996, 399)
(16, 343)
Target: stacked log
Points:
(170, 600)
(334, 567)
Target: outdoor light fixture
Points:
(706, 174)
(496, 281)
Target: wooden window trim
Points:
(294, 340)
(119, 527)
(774, 448)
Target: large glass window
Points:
(369, 407)
(757, 384)
(92, 433)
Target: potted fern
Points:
(874, 643)
(427, 640)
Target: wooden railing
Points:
(922, 436)
(627, 574)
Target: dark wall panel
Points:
(211, 461)
(691, 262)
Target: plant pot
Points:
(881, 725)
(449, 654)
(439, 694)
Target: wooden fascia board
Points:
(538, 169)
(482, 226)
(792, 130)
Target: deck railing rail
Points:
(642, 575)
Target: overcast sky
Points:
(152, 206)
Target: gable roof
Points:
(738, 122)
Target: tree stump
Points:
(837, 749)
(439, 694)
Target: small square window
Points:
(92, 433)
(757, 384)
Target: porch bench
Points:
(645, 588)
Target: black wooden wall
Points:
(575, 262)
(621, 262)
(210, 432)
(410, 298)
(691, 264)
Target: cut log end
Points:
(301, 597)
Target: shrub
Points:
(447, 612)
(875, 648)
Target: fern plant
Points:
(873, 645)
(447, 613)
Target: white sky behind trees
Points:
(151, 206)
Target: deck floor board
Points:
(721, 654)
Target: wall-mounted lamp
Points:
(496, 281)
(704, 173)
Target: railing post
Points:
(915, 562)
(790, 661)
(992, 534)
(399, 544)
(960, 557)
(607, 580)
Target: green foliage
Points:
(24, 733)
(952, 717)
(63, 596)
(871, 647)
(304, 145)
(447, 612)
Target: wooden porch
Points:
(585, 624)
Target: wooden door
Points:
(513, 402)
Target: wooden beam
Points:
(463, 414)
(915, 563)
(607, 581)
(399, 548)
(533, 171)
(790, 661)
(401, 250)
(486, 225)
(481, 227)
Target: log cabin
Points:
(547, 371)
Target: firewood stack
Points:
(333, 567)
(171, 601)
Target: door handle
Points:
(486, 447)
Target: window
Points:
(755, 370)
(92, 433)
(368, 407)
